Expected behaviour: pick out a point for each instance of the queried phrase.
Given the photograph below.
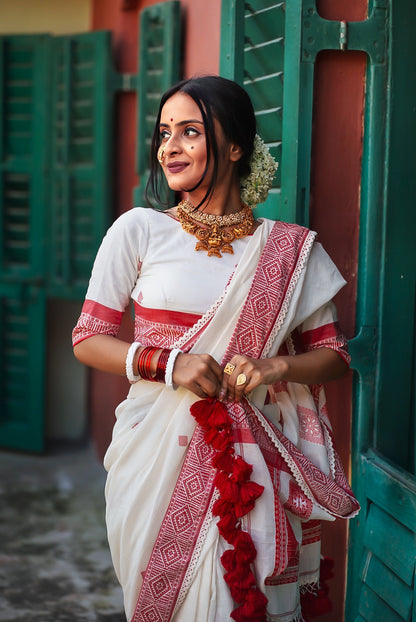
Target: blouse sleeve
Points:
(114, 275)
(321, 330)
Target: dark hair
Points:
(217, 98)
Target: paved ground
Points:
(54, 559)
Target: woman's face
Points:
(182, 135)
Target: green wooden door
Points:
(23, 197)
(55, 193)
(383, 539)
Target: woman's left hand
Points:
(247, 374)
(241, 374)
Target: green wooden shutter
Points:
(81, 173)
(260, 49)
(23, 85)
(159, 60)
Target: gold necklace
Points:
(225, 220)
(217, 234)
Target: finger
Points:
(226, 383)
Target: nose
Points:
(173, 145)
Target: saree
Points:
(162, 489)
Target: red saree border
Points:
(178, 534)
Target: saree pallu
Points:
(160, 489)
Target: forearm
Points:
(314, 367)
(103, 352)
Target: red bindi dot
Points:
(171, 119)
(191, 147)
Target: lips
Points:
(177, 167)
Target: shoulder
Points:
(136, 222)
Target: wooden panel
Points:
(373, 609)
(160, 40)
(387, 586)
(22, 358)
(81, 139)
(393, 490)
(393, 543)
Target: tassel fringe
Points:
(238, 496)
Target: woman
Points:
(221, 464)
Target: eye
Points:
(164, 134)
(191, 131)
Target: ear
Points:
(235, 152)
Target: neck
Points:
(220, 203)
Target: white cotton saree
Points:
(160, 491)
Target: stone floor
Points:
(54, 559)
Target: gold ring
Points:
(241, 379)
(229, 368)
(161, 154)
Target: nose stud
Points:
(161, 154)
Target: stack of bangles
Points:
(164, 365)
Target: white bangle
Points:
(131, 377)
(169, 368)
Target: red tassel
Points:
(218, 439)
(222, 507)
(241, 577)
(228, 559)
(249, 492)
(253, 609)
(201, 411)
(219, 416)
(223, 460)
(241, 470)
(245, 551)
(317, 603)
(237, 497)
(228, 527)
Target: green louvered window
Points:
(56, 96)
(159, 63)
(258, 52)
(23, 197)
(80, 143)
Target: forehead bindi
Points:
(179, 108)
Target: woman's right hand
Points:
(199, 373)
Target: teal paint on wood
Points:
(23, 198)
(384, 426)
(55, 194)
(374, 609)
(81, 144)
(388, 587)
(393, 544)
(159, 64)
(260, 49)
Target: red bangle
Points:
(144, 361)
(161, 365)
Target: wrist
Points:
(282, 367)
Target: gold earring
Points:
(161, 154)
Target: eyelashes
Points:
(189, 131)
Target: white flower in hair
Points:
(255, 186)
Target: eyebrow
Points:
(183, 122)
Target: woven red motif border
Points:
(178, 534)
(274, 274)
(172, 552)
